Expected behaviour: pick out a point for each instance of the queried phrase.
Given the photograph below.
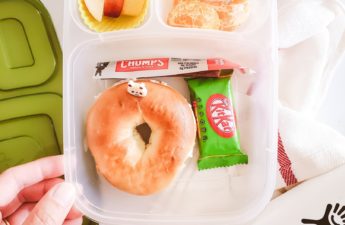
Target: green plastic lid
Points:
(30, 84)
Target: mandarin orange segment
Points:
(194, 14)
(231, 13)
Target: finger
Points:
(77, 221)
(336, 208)
(73, 214)
(30, 194)
(13, 180)
(341, 210)
(18, 217)
(53, 208)
(35, 192)
(328, 209)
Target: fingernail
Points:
(64, 194)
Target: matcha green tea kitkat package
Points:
(219, 143)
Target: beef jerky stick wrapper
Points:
(165, 67)
(219, 143)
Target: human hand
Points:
(31, 194)
(334, 217)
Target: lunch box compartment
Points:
(158, 13)
(258, 14)
(232, 195)
(193, 193)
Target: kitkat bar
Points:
(219, 143)
(165, 67)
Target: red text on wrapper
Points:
(142, 64)
(220, 115)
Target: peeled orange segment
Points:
(183, 1)
(194, 14)
(234, 18)
(110, 24)
(231, 13)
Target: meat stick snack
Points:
(163, 67)
(219, 144)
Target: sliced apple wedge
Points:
(133, 7)
(95, 8)
(113, 8)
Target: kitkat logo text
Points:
(221, 116)
(142, 64)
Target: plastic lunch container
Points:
(219, 196)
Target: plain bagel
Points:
(121, 155)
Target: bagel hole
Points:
(145, 132)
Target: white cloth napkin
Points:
(313, 148)
(312, 41)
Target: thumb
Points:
(53, 208)
(309, 221)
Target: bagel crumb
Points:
(86, 147)
(97, 96)
(154, 81)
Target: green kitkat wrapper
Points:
(219, 143)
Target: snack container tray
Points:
(233, 195)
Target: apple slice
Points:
(95, 8)
(113, 8)
(133, 7)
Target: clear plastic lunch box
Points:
(220, 196)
